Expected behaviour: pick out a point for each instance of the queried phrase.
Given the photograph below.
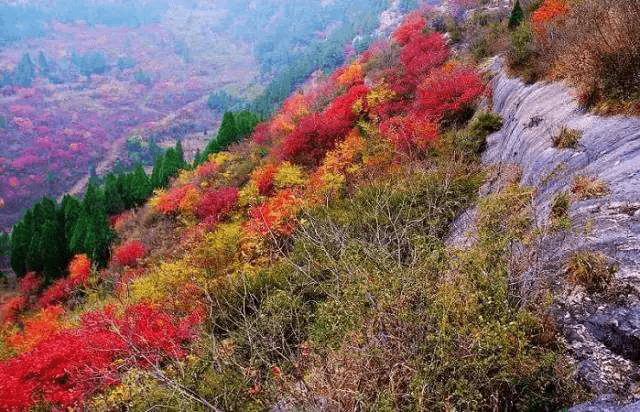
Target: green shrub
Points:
(589, 269)
(567, 138)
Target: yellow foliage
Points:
(249, 195)
(379, 95)
(218, 253)
(219, 158)
(153, 201)
(185, 176)
(288, 176)
(164, 279)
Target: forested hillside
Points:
(304, 266)
(364, 232)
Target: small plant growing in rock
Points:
(590, 269)
(585, 187)
(567, 138)
(559, 215)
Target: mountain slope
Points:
(305, 267)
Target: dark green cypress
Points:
(228, 132)
(516, 16)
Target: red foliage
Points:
(62, 289)
(72, 365)
(214, 205)
(10, 309)
(318, 133)
(419, 57)
(412, 26)
(207, 170)
(29, 283)
(410, 133)
(448, 90)
(129, 253)
(261, 133)
(263, 178)
(118, 221)
(276, 215)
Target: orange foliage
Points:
(36, 329)
(263, 179)
(80, 268)
(549, 12)
(351, 75)
(169, 202)
(275, 216)
(189, 201)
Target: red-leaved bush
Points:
(413, 25)
(207, 170)
(422, 54)
(10, 309)
(214, 205)
(129, 253)
(448, 90)
(410, 133)
(316, 134)
(61, 290)
(71, 365)
(263, 179)
(29, 283)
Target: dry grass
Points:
(567, 138)
(598, 50)
(589, 269)
(585, 187)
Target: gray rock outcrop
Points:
(602, 328)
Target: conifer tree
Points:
(114, 202)
(25, 72)
(91, 234)
(228, 132)
(70, 207)
(140, 186)
(516, 16)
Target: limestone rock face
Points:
(602, 328)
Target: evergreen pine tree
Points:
(25, 72)
(113, 195)
(140, 186)
(43, 63)
(516, 16)
(70, 207)
(180, 153)
(228, 132)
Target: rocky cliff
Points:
(601, 328)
